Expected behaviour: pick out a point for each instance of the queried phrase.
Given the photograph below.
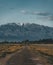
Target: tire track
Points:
(28, 57)
(22, 58)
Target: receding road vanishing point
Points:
(28, 57)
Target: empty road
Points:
(28, 57)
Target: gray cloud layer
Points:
(48, 16)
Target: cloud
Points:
(35, 13)
(50, 18)
(23, 11)
(44, 15)
(27, 12)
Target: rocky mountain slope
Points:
(17, 32)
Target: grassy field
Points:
(9, 49)
(44, 48)
(42, 54)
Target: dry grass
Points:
(9, 48)
(45, 48)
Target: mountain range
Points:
(32, 32)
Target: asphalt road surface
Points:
(28, 57)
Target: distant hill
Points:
(32, 32)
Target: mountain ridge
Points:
(18, 32)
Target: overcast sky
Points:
(27, 11)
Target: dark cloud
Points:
(36, 13)
(50, 18)
(45, 15)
